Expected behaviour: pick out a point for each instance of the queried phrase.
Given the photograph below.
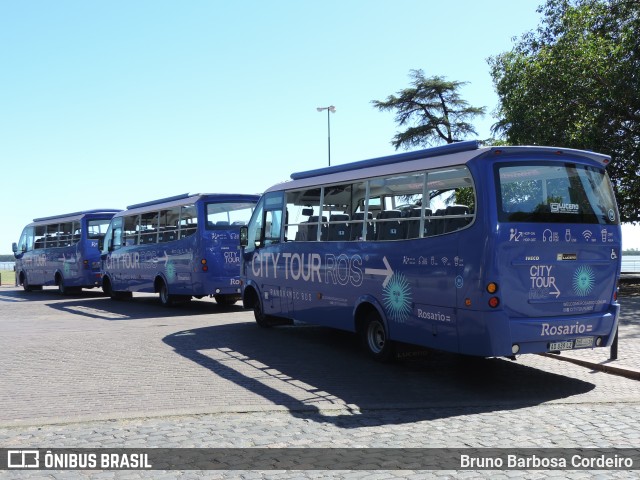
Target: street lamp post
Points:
(329, 109)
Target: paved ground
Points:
(627, 362)
(85, 371)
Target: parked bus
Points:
(180, 247)
(480, 251)
(62, 250)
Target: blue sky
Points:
(106, 104)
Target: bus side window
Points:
(77, 232)
(39, 237)
(188, 220)
(131, 228)
(273, 222)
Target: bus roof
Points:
(78, 214)
(391, 159)
(187, 198)
(437, 157)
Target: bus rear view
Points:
(557, 251)
(474, 250)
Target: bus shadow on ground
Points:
(322, 375)
(139, 307)
(14, 295)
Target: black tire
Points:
(107, 288)
(166, 300)
(375, 339)
(226, 300)
(25, 283)
(28, 287)
(267, 321)
(262, 319)
(64, 290)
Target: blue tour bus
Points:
(480, 251)
(180, 247)
(62, 250)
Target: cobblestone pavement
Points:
(85, 371)
(627, 362)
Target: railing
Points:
(631, 263)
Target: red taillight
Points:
(204, 265)
(492, 288)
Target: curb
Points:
(613, 370)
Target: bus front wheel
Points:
(262, 319)
(376, 340)
(225, 300)
(27, 286)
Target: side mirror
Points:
(244, 236)
(307, 212)
(14, 247)
(100, 243)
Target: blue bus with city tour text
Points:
(486, 251)
(179, 247)
(62, 250)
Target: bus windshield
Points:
(554, 193)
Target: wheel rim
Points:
(376, 337)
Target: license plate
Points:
(584, 342)
(561, 345)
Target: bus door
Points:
(262, 254)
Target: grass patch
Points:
(7, 277)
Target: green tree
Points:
(575, 82)
(432, 110)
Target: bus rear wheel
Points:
(166, 300)
(64, 290)
(376, 340)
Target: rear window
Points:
(555, 193)
(223, 215)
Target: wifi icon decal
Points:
(587, 234)
(445, 260)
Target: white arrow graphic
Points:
(164, 259)
(387, 272)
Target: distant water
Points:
(631, 263)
